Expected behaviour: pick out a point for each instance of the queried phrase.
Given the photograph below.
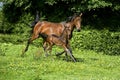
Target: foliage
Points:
(100, 41)
(15, 39)
(18, 11)
(21, 27)
(90, 66)
(14, 9)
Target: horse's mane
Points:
(71, 18)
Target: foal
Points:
(62, 41)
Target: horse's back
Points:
(51, 28)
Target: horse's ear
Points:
(81, 14)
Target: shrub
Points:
(100, 41)
(15, 39)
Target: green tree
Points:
(57, 10)
(17, 8)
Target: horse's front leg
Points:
(58, 54)
(66, 55)
(69, 52)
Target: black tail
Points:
(37, 17)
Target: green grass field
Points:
(35, 66)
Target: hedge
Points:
(100, 41)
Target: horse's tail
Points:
(37, 17)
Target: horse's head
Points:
(76, 19)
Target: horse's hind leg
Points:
(28, 43)
(23, 52)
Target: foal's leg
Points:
(58, 54)
(65, 46)
(47, 47)
(66, 56)
(68, 51)
(70, 54)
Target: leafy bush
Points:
(18, 39)
(21, 27)
(101, 41)
(15, 39)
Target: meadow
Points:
(96, 47)
(90, 65)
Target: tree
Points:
(13, 9)
(97, 11)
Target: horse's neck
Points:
(71, 28)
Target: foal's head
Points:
(76, 21)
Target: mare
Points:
(52, 32)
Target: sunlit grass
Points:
(35, 66)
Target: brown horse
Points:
(48, 30)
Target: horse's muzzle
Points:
(78, 30)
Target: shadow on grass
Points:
(77, 59)
(69, 59)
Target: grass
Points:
(35, 66)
